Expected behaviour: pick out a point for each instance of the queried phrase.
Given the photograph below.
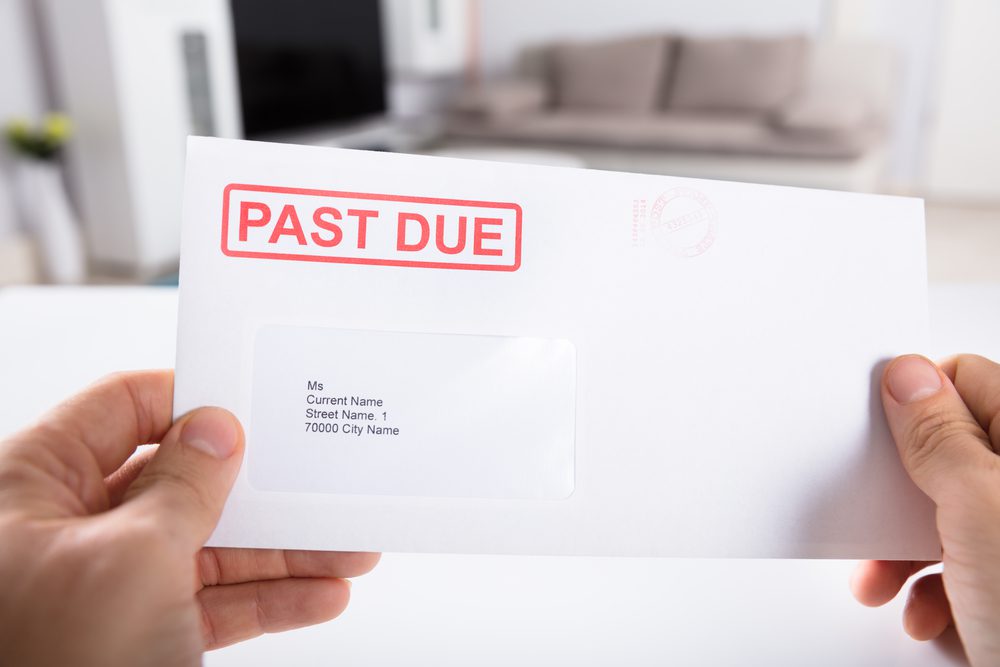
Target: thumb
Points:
(941, 444)
(185, 485)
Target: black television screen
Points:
(307, 63)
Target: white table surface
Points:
(440, 610)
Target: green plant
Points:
(42, 141)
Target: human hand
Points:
(946, 423)
(101, 558)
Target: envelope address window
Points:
(380, 413)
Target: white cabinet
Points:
(138, 76)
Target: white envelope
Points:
(432, 354)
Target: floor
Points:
(963, 243)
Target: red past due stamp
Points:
(296, 224)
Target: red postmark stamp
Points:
(682, 220)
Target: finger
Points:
(977, 380)
(940, 443)
(114, 415)
(118, 482)
(875, 582)
(231, 566)
(90, 435)
(927, 612)
(242, 611)
(185, 484)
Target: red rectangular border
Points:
(377, 197)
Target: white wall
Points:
(508, 25)
(21, 88)
(912, 29)
(963, 151)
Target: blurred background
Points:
(97, 97)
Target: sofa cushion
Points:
(849, 84)
(840, 111)
(737, 73)
(623, 75)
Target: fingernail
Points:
(912, 378)
(211, 431)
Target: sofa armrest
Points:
(502, 99)
(849, 85)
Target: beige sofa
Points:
(766, 109)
